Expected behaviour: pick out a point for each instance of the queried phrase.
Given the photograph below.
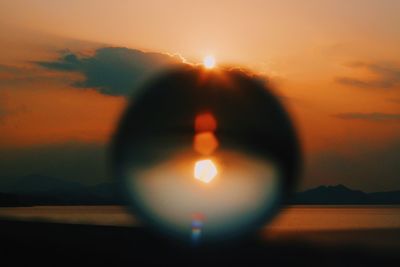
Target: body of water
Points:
(365, 225)
(298, 217)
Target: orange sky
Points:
(314, 54)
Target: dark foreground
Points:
(55, 244)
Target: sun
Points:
(209, 62)
(205, 170)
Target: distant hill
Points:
(37, 189)
(36, 184)
(340, 194)
(11, 200)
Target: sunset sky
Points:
(67, 69)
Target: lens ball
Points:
(205, 155)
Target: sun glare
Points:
(205, 170)
(209, 62)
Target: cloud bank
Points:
(374, 116)
(112, 70)
(388, 76)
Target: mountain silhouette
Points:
(35, 189)
(340, 194)
(36, 184)
(11, 200)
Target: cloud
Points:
(374, 116)
(3, 111)
(388, 76)
(11, 75)
(112, 70)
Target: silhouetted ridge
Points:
(340, 194)
(36, 189)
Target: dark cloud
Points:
(370, 169)
(374, 116)
(112, 70)
(388, 76)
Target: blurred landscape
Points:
(333, 215)
(365, 226)
(34, 189)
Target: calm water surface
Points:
(376, 227)
(291, 218)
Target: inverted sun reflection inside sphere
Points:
(205, 170)
(205, 155)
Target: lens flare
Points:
(205, 170)
(205, 122)
(205, 143)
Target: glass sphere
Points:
(205, 155)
